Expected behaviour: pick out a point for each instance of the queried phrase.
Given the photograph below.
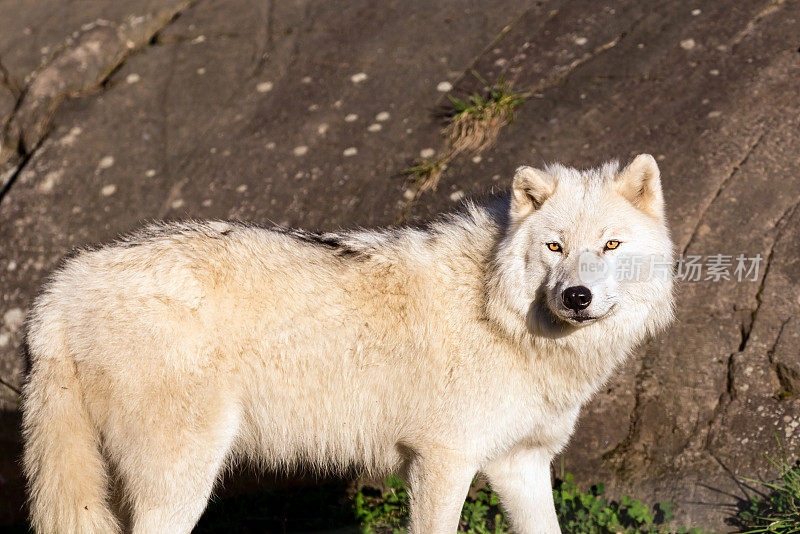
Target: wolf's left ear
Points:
(531, 187)
(640, 183)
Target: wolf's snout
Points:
(577, 297)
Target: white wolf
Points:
(468, 345)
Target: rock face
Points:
(306, 113)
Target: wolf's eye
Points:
(612, 244)
(555, 247)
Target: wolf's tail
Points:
(67, 476)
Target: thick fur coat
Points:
(435, 352)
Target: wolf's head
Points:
(586, 247)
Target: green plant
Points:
(382, 511)
(578, 512)
(473, 125)
(482, 514)
(591, 513)
(426, 172)
(477, 121)
(777, 512)
(387, 511)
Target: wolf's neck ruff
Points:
(583, 355)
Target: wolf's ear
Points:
(640, 183)
(531, 187)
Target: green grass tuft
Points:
(425, 174)
(476, 121)
(778, 512)
(472, 126)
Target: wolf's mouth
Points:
(582, 319)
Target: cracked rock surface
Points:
(305, 113)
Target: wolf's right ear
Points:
(531, 187)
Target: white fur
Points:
(435, 353)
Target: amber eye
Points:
(555, 247)
(612, 244)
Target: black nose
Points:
(577, 297)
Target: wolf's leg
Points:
(522, 480)
(438, 488)
(168, 472)
(177, 496)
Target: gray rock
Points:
(251, 110)
(786, 356)
(83, 62)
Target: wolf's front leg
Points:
(522, 480)
(438, 488)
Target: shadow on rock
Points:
(12, 483)
(297, 504)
